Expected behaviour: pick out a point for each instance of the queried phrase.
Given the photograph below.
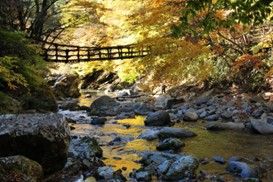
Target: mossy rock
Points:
(9, 105)
(20, 168)
(40, 99)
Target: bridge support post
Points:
(66, 55)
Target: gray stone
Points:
(149, 134)
(190, 116)
(217, 125)
(159, 118)
(182, 168)
(218, 159)
(84, 148)
(106, 172)
(104, 106)
(98, 121)
(263, 125)
(169, 132)
(226, 114)
(120, 140)
(170, 144)
(241, 169)
(142, 176)
(213, 117)
(41, 137)
(164, 167)
(67, 86)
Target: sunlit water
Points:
(205, 145)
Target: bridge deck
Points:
(69, 53)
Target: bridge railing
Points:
(68, 53)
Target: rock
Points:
(163, 101)
(89, 80)
(124, 93)
(142, 109)
(107, 173)
(142, 176)
(149, 134)
(159, 118)
(9, 104)
(218, 159)
(104, 106)
(75, 170)
(120, 140)
(67, 86)
(170, 167)
(203, 114)
(84, 148)
(40, 99)
(216, 126)
(20, 168)
(263, 125)
(190, 116)
(125, 115)
(182, 168)
(234, 158)
(204, 98)
(71, 105)
(98, 121)
(213, 117)
(170, 144)
(169, 132)
(41, 137)
(226, 115)
(241, 169)
(163, 167)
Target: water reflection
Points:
(205, 145)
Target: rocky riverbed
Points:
(224, 149)
(128, 136)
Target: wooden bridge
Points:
(54, 52)
(72, 54)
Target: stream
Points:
(205, 145)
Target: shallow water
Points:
(205, 145)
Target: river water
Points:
(205, 145)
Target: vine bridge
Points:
(54, 52)
(72, 54)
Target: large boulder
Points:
(241, 169)
(67, 86)
(183, 168)
(159, 118)
(263, 125)
(105, 106)
(166, 132)
(217, 126)
(84, 148)
(169, 132)
(20, 168)
(170, 167)
(170, 144)
(41, 137)
(89, 80)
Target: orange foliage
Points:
(247, 60)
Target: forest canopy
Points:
(192, 41)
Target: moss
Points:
(22, 73)
(8, 104)
(40, 99)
